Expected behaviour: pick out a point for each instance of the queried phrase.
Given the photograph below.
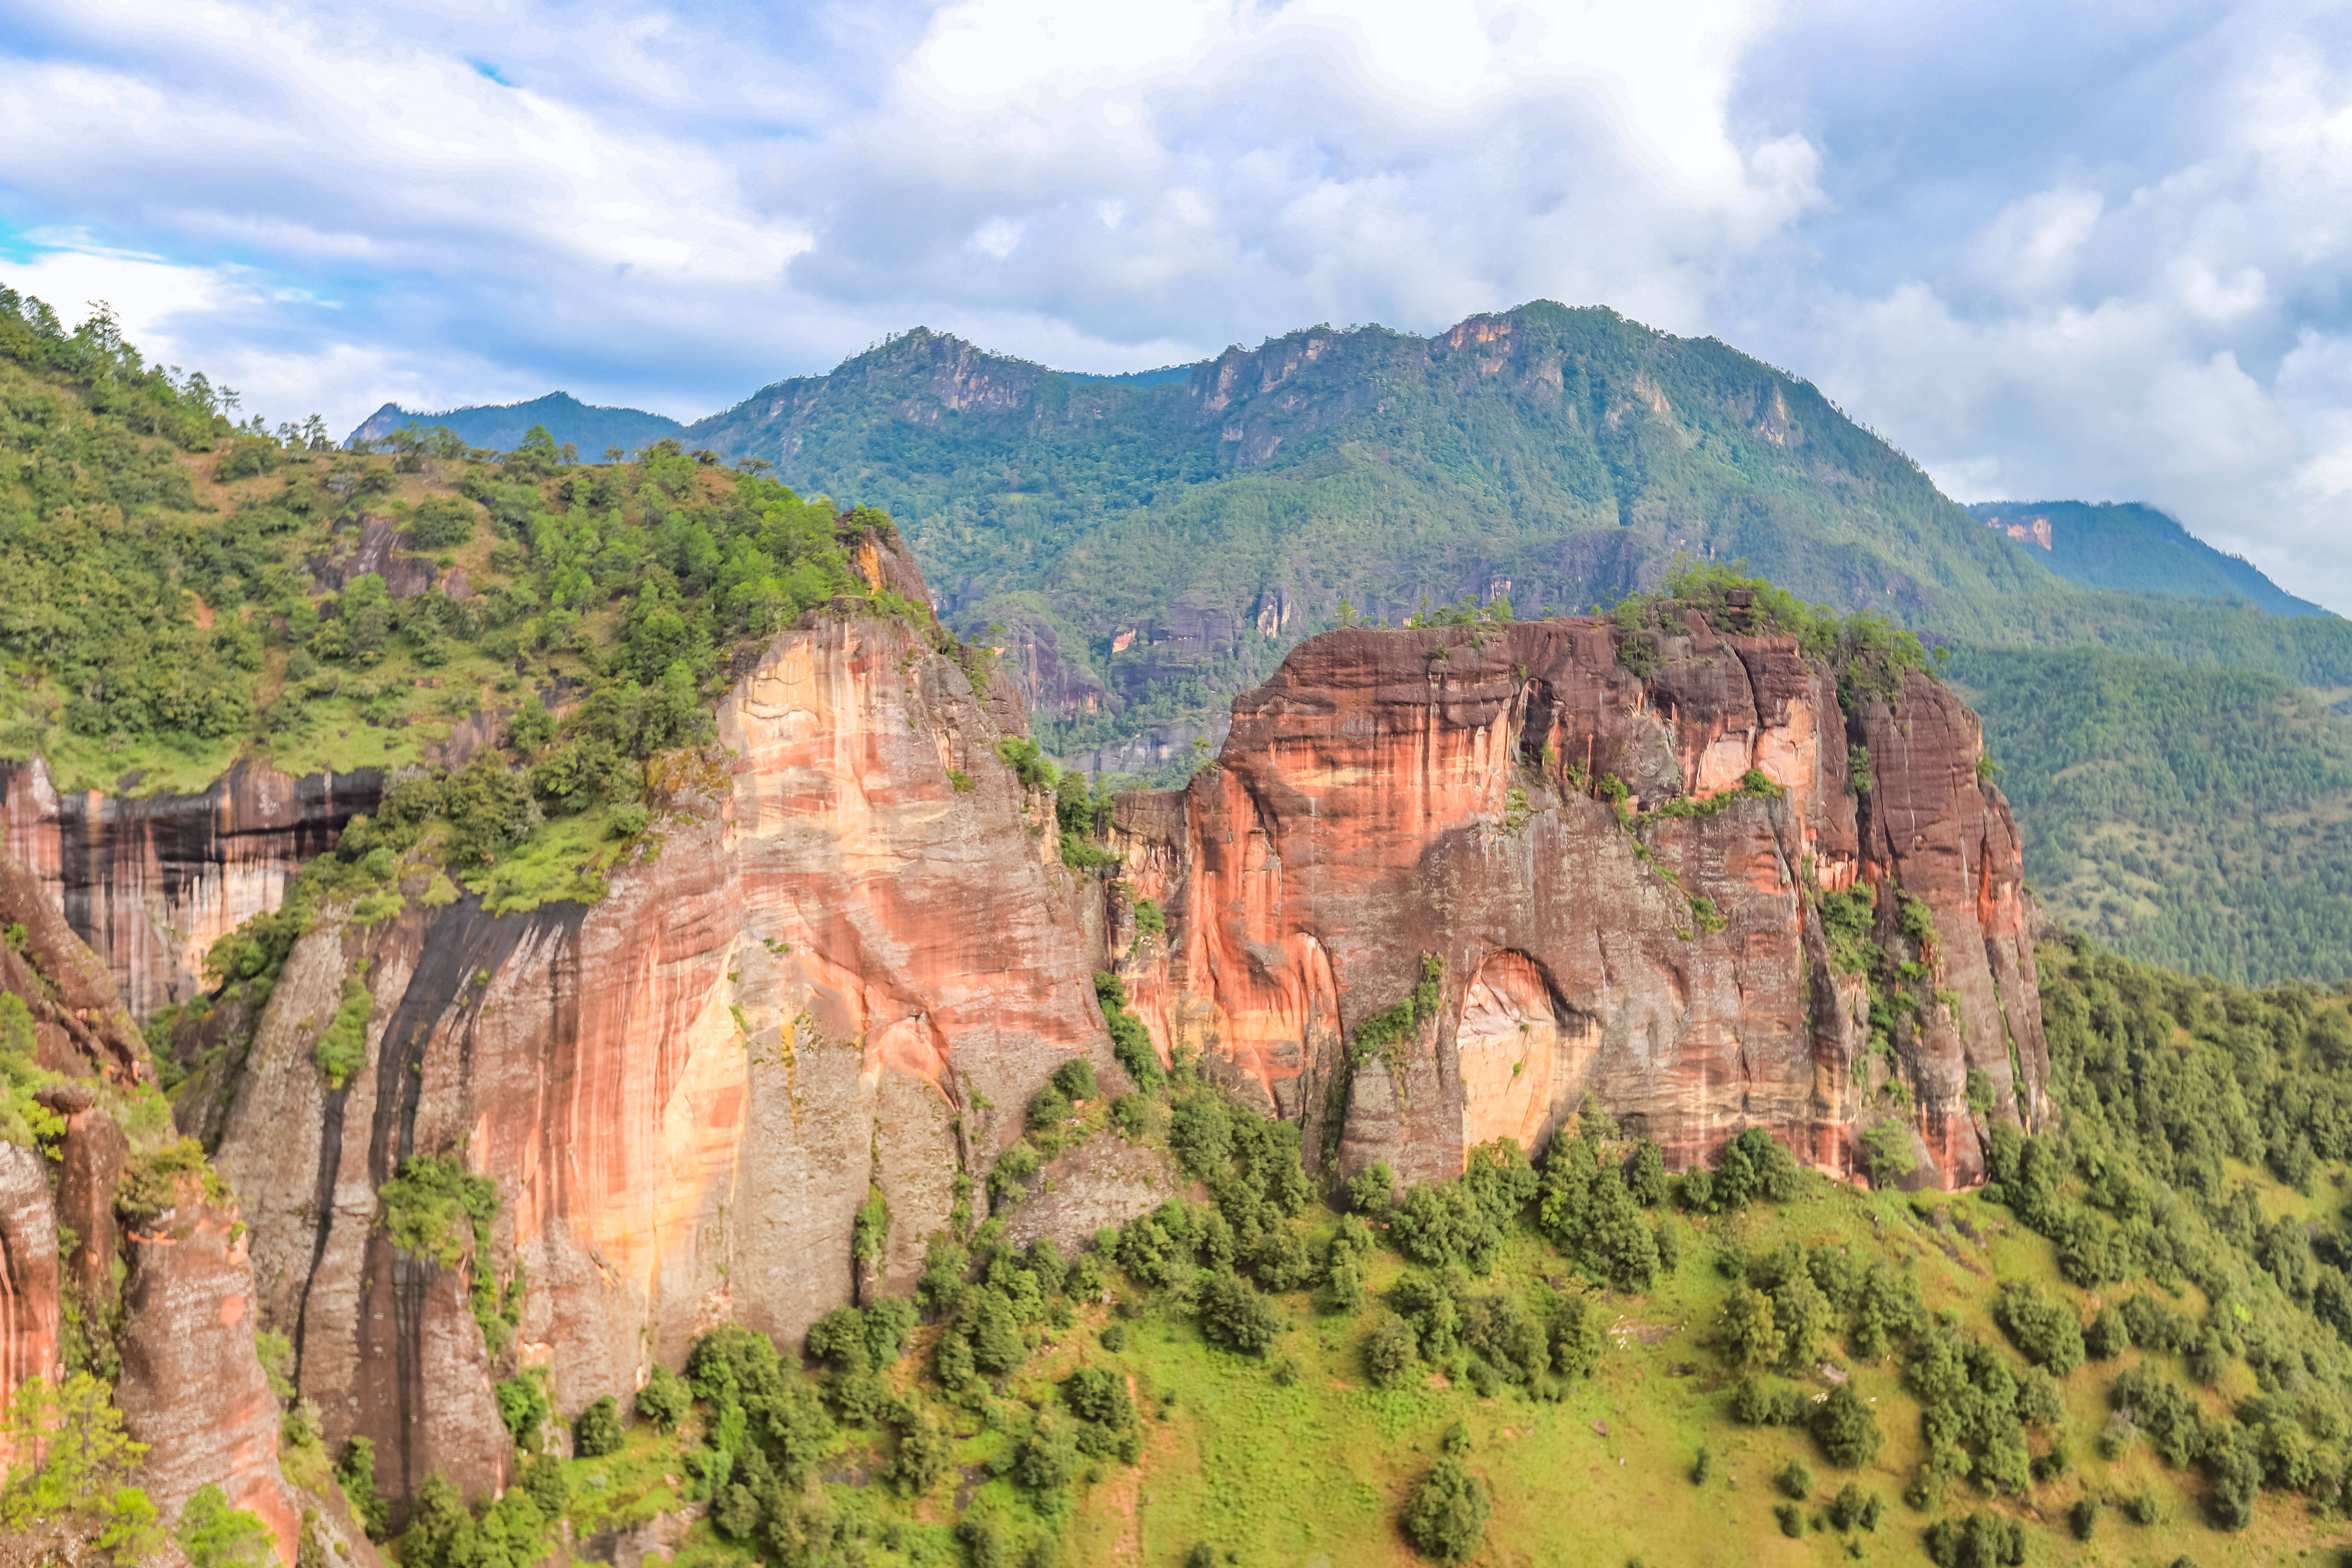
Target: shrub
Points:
(1447, 1517)
(2108, 1337)
(1390, 1350)
(441, 524)
(523, 1407)
(1645, 1174)
(1791, 1518)
(1235, 1315)
(1372, 1190)
(2045, 1327)
(665, 1400)
(1980, 1541)
(1796, 1479)
(926, 1452)
(2083, 1518)
(1048, 1108)
(342, 1049)
(1847, 1427)
(355, 1473)
(1075, 1079)
(213, 1535)
(1443, 1222)
(597, 1431)
(1701, 1467)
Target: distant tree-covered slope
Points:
(501, 428)
(2126, 545)
(2196, 817)
(1560, 456)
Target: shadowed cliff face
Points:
(1394, 795)
(192, 1387)
(149, 884)
(830, 971)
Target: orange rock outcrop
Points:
(1396, 796)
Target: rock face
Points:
(845, 961)
(30, 1299)
(149, 883)
(191, 1387)
(1397, 804)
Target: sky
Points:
(2052, 251)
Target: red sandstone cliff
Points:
(1391, 795)
(835, 970)
(149, 882)
(192, 1387)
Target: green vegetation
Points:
(212, 1534)
(162, 613)
(71, 1465)
(434, 1208)
(1288, 1382)
(2196, 818)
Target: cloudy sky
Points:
(2093, 251)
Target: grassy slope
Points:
(1320, 1470)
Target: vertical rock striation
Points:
(1393, 802)
(149, 882)
(846, 958)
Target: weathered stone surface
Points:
(149, 883)
(79, 1026)
(29, 1299)
(838, 972)
(1391, 794)
(1105, 1181)
(192, 1388)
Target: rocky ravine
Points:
(1394, 795)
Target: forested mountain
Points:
(1142, 554)
(2201, 817)
(2124, 544)
(501, 427)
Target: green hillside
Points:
(178, 592)
(1570, 452)
(2199, 817)
(2129, 1349)
(2134, 548)
(501, 427)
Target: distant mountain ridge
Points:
(501, 427)
(2136, 548)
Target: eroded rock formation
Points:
(1394, 801)
(192, 1387)
(149, 882)
(846, 956)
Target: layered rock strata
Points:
(1397, 804)
(843, 958)
(149, 882)
(192, 1388)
